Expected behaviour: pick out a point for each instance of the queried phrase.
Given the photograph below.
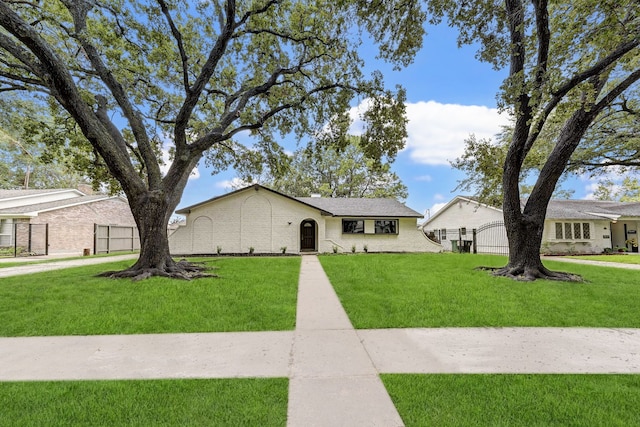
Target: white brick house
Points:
(68, 214)
(571, 226)
(267, 221)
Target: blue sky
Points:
(450, 95)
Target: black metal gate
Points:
(491, 238)
(28, 240)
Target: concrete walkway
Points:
(333, 369)
(34, 266)
(593, 262)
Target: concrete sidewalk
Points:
(39, 267)
(333, 369)
(333, 381)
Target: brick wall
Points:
(71, 229)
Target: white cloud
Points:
(232, 184)
(424, 178)
(436, 207)
(615, 175)
(437, 131)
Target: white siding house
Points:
(454, 223)
(268, 221)
(571, 226)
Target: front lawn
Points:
(516, 400)
(219, 402)
(444, 290)
(251, 294)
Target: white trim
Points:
(612, 217)
(453, 202)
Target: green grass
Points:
(516, 400)
(252, 294)
(623, 259)
(444, 290)
(237, 402)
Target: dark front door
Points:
(308, 235)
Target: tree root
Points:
(529, 274)
(182, 270)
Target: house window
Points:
(567, 231)
(463, 231)
(573, 231)
(386, 226)
(353, 226)
(6, 232)
(577, 228)
(443, 234)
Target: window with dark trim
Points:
(558, 230)
(573, 231)
(386, 226)
(353, 226)
(443, 234)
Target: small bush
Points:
(353, 249)
(283, 249)
(218, 249)
(334, 248)
(365, 248)
(251, 249)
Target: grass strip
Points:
(515, 400)
(219, 402)
(444, 290)
(251, 294)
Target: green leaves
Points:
(336, 171)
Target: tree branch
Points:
(178, 36)
(79, 12)
(575, 81)
(203, 78)
(56, 77)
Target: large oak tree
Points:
(568, 61)
(143, 77)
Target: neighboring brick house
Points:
(268, 221)
(58, 221)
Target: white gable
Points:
(462, 212)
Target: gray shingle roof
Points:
(5, 194)
(361, 207)
(39, 207)
(350, 207)
(589, 209)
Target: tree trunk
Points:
(151, 212)
(524, 233)
(525, 226)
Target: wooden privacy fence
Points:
(114, 238)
